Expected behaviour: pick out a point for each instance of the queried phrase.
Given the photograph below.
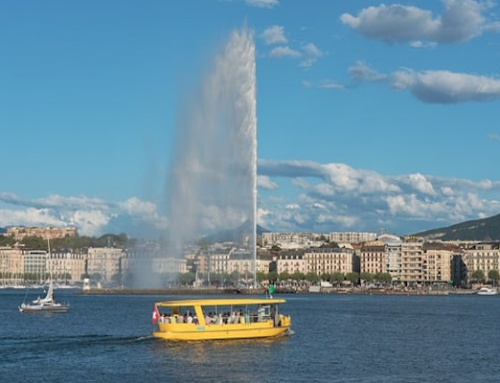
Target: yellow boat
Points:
(210, 319)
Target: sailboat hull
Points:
(44, 309)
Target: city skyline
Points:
(370, 115)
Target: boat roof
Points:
(219, 302)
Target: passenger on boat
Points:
(180, 319)
(189, 319)
(195, 319)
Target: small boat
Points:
(47, 305)
(218, 319)
(487, 291)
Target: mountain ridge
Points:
(485, 229)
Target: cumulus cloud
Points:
(91, 216)
(335, 196)
(433, 86)
(362, 72)
(461, 20)
(284, 51)
(308, 53)
(311, 54)
(274, 35)
(312, 197)
(262, 3)
(266, 183)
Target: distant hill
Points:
(486, 229)
(3, 230)
(234, 235)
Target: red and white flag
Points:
(156, 314)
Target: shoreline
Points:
(263, 291)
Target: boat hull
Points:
(29, 309)
(219, 332)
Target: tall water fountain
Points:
(212, 185)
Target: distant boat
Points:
(487, 291)
(47, 305)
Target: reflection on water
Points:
(228, 358)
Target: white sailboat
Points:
(45, 305)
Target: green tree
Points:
(325, 276)
(338, 277)
(353, 278)
(478, 276)
(262, 276)
(312, 277)
(187, 278)
(298, 276)
(7, 241)
(367, 277)
(284, 276)
(493, 275)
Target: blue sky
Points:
(371, 115)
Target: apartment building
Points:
(11, 265)
(411, 260)
(436, 262)
(45, 232)
(105, 261)
(482, 256)
(328, 260)
(291, 261)
(67, 265)
(373, 257)
(351, 237)
(392, 255)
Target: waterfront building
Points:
(482, 256)
(291, 261)
(67, 266)
(35, 265)
(45, 232)
(105, 261)
(373, 257)
(329, 259)
(436, 262)
(169, 265)
(351, 237)
(392, 255)
(411, 260)
(11, 266)
(291, 240)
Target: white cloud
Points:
(334, 196)
(91, 216)
(327, 84)
(322, 198)
(266, 183)
(461, 20)
(262, 3)
(311, 54)
(435, 87)
(284, 51)
(274, 35)
(362, 72)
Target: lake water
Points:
(336, 338)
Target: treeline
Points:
(74, 243)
